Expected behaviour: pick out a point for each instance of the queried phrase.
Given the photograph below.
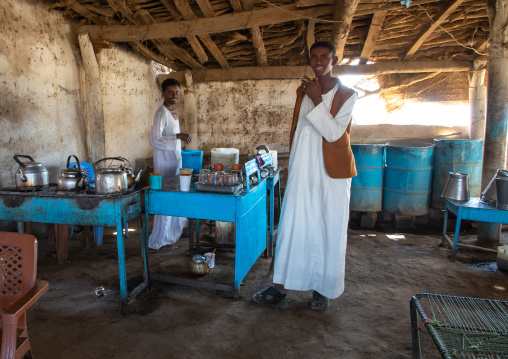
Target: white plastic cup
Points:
(210, 259)
(185, 181)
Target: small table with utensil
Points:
(474, 210)
(247, 208)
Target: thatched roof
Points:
(254, 39)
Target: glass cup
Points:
(203, 176)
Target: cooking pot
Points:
(457, 187)
(72, 178)
(199, 265)
(114, 179)
(30, 174)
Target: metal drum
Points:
(408, 178)
(367, 186)
(464, 156)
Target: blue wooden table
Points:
(247, 208)
(82, 209)
(473, 210)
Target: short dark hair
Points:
(169, 82)
(323, 44)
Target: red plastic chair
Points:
(18, 291)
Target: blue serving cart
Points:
(52, 206)
(247, 208)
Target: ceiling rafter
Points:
(343, 17)
(187, 13)
(257, 36)
(370, 42)
(433, 25)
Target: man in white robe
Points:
(312, 232)
(165, 138)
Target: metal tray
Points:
(218, 189)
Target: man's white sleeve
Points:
(157, 140)
(332, 128)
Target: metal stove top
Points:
(53, 191)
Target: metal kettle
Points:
(72, 178)
(114, 179)
(30, 174)
(199, 265)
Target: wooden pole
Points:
(190, 111)
(494, 156)
(477, 99)
(94, 112)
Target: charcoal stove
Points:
(81, 207)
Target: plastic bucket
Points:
(463, 156)
(367, 186)
(408, 178)
(192, 159)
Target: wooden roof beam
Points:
(204, 26)
(364, 9)
(236, 5)
(370, 42)
(434, 24)
(310, 38)
(187, 13)
(183, 7)
(257, 37)
(343, 16)
(297, 72)
(166, 45)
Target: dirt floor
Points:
(370, 320)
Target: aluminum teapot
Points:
(30, 174)
(199, 265)
(72, 178)
(114, 179)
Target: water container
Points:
(192, 159)
(408, 178)
(464, 156)
(226, 156)
(367, 186)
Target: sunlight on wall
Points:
(370, 110)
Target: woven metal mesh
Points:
(11, 268)
(468, 327)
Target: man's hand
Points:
(311, 87)
(184, 137)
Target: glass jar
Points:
(203, 176)
(231, 179)
(212, 178)
(221, 178)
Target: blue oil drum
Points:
(464, 156)
(367, 186)
(408, 178)
(192, 159)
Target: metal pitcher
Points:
(457, 187)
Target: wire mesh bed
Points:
(461, 327)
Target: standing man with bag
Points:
(165, 138)
(312, 232)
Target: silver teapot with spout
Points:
(72, 178)
(115, 178)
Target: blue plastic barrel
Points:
(367, 186)
(192, 159)
(464, 156)
(408, 178)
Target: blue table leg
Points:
(456, 238)
(121, 259)
(270, 241)
(144, 250)
(445, 224)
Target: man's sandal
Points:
(319, 302)
(268, 295)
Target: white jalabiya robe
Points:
(312, 232)
(167, 160)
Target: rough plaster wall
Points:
(244, 114)
(131, 96)
(39, 88)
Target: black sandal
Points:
(319, 301)
(261, 297)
